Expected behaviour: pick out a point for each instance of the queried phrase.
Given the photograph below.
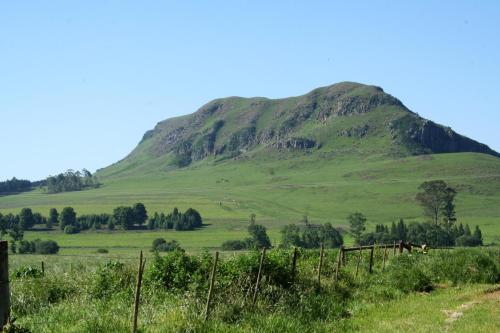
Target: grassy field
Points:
(281, 191)
(443, 291)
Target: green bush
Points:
(161, 245)
(71, 229)
(111, 279)
(46, 247)
(234, 245)
(406, 274)
(27, 272)
(102, 251)
(463, 266)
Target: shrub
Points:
(112, 278)
(160, 244)
(235, 245)
(26, 247)
(71, 229)
(46, 247)
(463, 266)
(27, 272)
(102, 251)
(405, 274)
(467, 240)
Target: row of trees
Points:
(71, 181)
(311, 235)
(189, 220)
(14, 185)
(257, 239)
(127, 217)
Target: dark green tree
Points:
(357, 222)
(26, 219)
(140, 213)
(53, 217)
(436, 197)
(290, 236)
(124, 216)
(478, 235)
(258, 234)
(68, 217)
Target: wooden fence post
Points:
(254, 300)
(4, 284)
(400, 247)
(211, 290)
(383, 260)
(320, 264)
(138, 292)
(370, 270)
(394, 249)
(294, 263)
(359, 260)
(43, 268)
(339, 262)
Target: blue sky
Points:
(81, 81)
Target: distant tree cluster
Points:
(311, 235)
(424, 233)
(71, 181)
(37, 246)
(258, 238)
(14, 186)
(189, 220)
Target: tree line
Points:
(125, 217)
(71, 181)
(14, 185)
(437, 201)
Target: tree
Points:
(140, 213)
(478, 235)
(124, 216)
(290, 236)
(194, 218)
(436, 198)
(329, 236)
(258, 234)
(26, 219)
(357, 222)
(68, 217)
(53, 217)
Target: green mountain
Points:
(336, 150)
(345, 118)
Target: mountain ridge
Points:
(343, 117)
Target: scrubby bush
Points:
(234, 245)
(38, 246)
(102, 251)
(161, 245)
(112, 278)
(407, 274)
(463, 266)
(27, 272)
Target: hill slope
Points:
(345, 118)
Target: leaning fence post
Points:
(370, 270)
(359, 260)
(294, 263)
(383, 260)
(320, 264)
(212, 281)
(138, 292)
(4, 284)
(256, 291)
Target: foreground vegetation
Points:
(96, 295)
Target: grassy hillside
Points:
(281, 191)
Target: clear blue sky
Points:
(81, 81)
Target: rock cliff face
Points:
(340, 116)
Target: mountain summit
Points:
(344, 118)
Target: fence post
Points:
(258, 277)
(138, 292)
(294, 263)
(43, 268)
(383, 260)
(320, 264)
(359, 260)
(212, 281)
(400, 247)
(370, 270)
(4, 284)
(339, 261)
(394, 249)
